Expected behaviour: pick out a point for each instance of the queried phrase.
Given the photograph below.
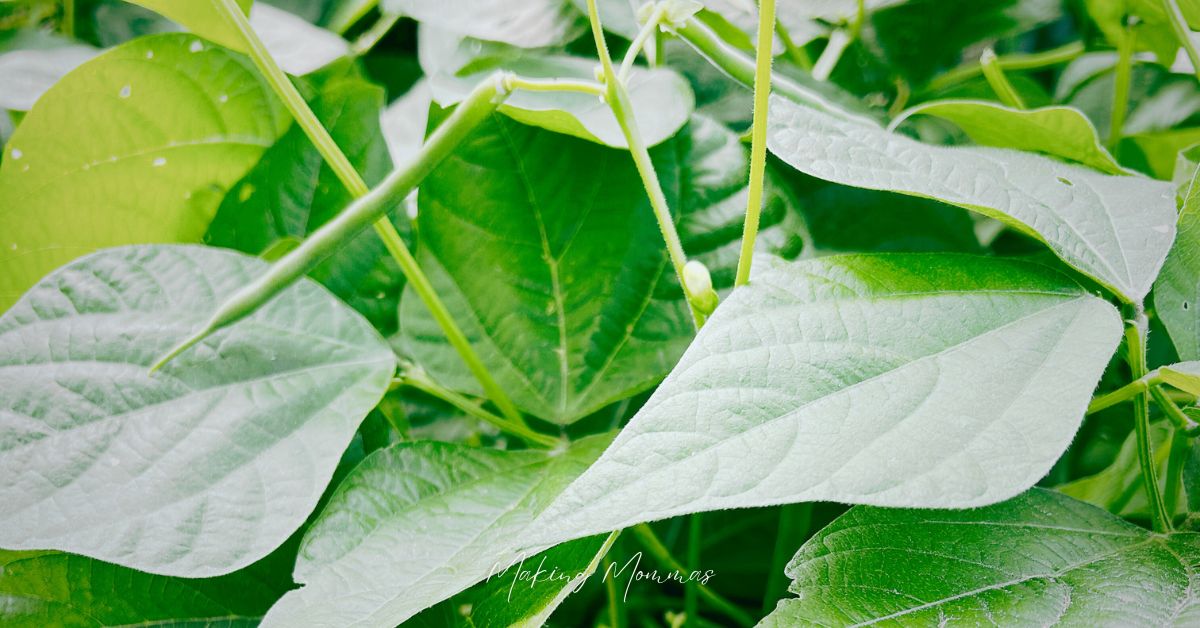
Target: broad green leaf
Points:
(1042, 559)
(1177, 291)
(40, 589)
(297, 46)
(661, 99)
(137, 145)
(933, 380)
(203, 467)
(1057, 131)
(26, 74)
(292, 192)
(561, 281)
(524, 594)
(418, 522)
(1184, 375)
(1116, 230)
(1119, 487)
(202, 17)
(528, 24)
(1157, 153)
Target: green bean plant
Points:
(599, 313)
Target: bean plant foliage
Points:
(599, 313)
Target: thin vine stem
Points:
(1178, 418)
(1124, 74)
(1182, 33)
(999, 83)
(758, 143)
(794, 521)
(647, 31)
(1013, 63)
(691, 596)
(373, 35)
(514, 82)
(354, 183)
(652, 544)
(68, 18)
(474, 409)
(615, 601)
(622, 109)
(1135, 345)
(1180, 448)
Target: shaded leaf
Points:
(418, 522)
(528, 24)
(170, 124)
(1119, 487)
(1116, 230)
(1177, 291)
(205, 466)
(292, 191)
(859, 379)
(1040, 559)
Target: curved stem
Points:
(1135, 345)
(618, 101)
(1182, 33)
(1181, 421)
(999, 83)
(345, 225)
(649, 540)
(1017, 62)
(367, 40)
(648, 30)
(758, 144)
(421, 382)
(514, 82)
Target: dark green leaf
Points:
(1177, 291)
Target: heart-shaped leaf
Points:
(170, 124)
(1116, 230)
(562, 282)
(207, 465)
(1058, 131)
(1042, 559)
(418, 522)
(934, 380)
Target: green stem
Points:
(691, 606)
(1135, 345)
(1124, 73)
(68, 18)
(1182, 33)
(743, 69)
(474, 409)
(794, 522)
(650, 541)
(513, 82)
(1124, 393)
(1012, 63)
(839, 41)
(995, 77)
(368, 207)
(1181, 421)
(367, 40)
(342, 20)
(798, 54)
(758, 143)
(618, 101)
(635, 48)
(1180, 448)
(615, 607)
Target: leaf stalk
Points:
(1135, 346)
(758, 143)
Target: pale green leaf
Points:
(1157, 153)
(1177, 292)
(418, 522)
(933, 380)
(528, 24)
(1042, 559)
(1116, 230)
(660, 99)
(202, 467)
(170, 124)
(1057, 131)
(202, 17)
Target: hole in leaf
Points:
(1065, 181)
